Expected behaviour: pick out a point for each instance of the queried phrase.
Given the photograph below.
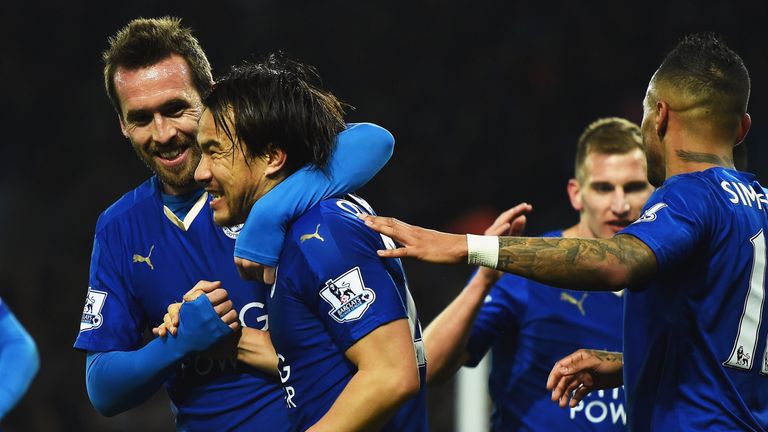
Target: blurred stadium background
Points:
(486, 101)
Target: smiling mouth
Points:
(171, 156)
(214, 194)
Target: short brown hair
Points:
(612, 135)
(146, 41)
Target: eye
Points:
(140, 119)
(635, 187)
(175, 109)
(602, 187)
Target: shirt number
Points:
(745, 345)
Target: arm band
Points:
(483, 250)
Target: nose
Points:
(619, 202)
(163, 130)
(203, 171)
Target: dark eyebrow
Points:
(208, 144)
(635, 185)
(175, 103)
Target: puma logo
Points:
(146, 260)
(578, 303)
(315, 234)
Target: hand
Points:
(421, 243)
(251, 270)
(170, 321)
(574, 376)
(216, 295)
(510, 223)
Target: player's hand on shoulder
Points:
(509, 223)
(576, 375)
(417, 242)
(251, 270)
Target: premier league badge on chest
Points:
(348, 296)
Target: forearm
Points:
(19, 362)
(584, 264)
(120, 380)
(256, 350)
(373, 396)
(445, 338)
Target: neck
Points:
(688, 153)
(580, 230)
(178, 190)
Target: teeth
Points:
(171, 154)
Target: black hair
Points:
(274, 104)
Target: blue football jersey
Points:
(530, 326)
(3, 308)
(145, 258)
(331, 291)
(695, 347)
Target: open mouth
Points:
(172, 157)
(618, 225)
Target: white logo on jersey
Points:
(233, 231)
(92, 318)
(650, 214)
(601, 409)
(348, 296)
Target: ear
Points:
(746, 122)
(574, 194)
(275, 159)
(122, 127)
(662, 118)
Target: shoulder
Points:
(366, 130)
(335, 217)
(131, 204)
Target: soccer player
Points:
(531, 328)
(159, 240)
(694, 328)
(341, 318)
(19, 360)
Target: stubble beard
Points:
(181, 176)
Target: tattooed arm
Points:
(584, 264)
(573, 377)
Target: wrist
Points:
(482, 250)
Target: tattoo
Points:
(583, 264)
(710, 158)
(608, 356)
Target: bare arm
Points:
(446, 337)
(595, 264)
(598, 264)
(255, 349)
(387, 376)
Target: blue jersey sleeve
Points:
(112, 317)
(120, 380)
(19, 360)
(361, 151)
(673, 222)
(499, 315)
(355, 290)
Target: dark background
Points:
(486, 101)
